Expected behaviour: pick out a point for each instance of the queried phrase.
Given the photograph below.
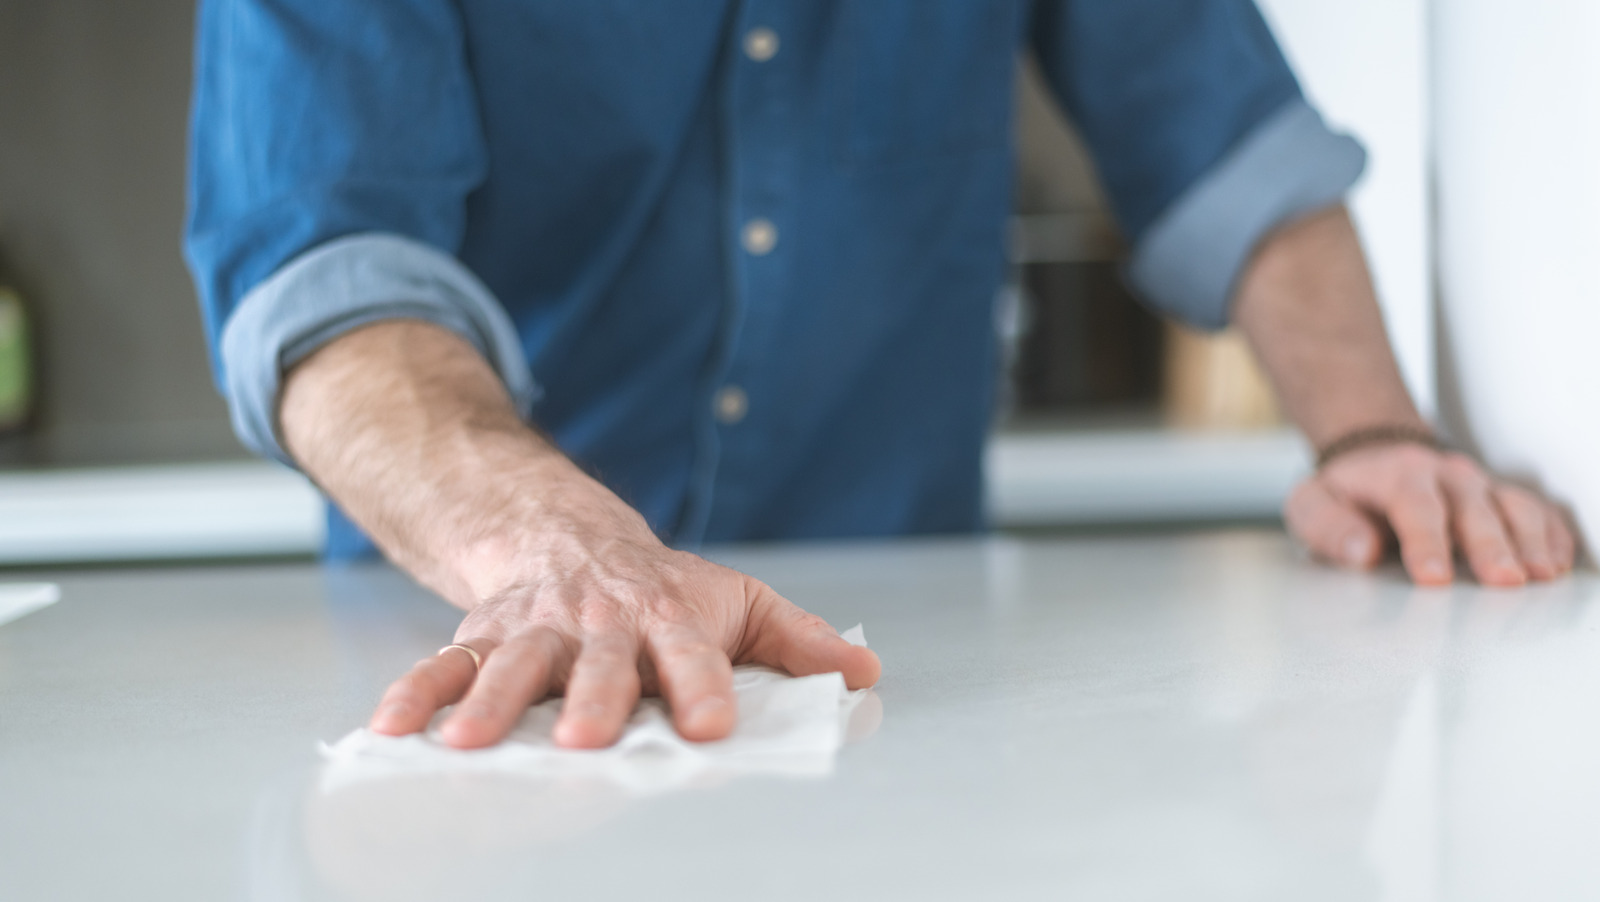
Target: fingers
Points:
(601, 692)
(411, 701)
(515, 676)
(1419, 517)
(697, 682)
(1434, 503)
(1477, 525)
(602, 679)
(1333, 529)
(1564, 547)
(1542, 535)
(1529, 520)
(788, 638)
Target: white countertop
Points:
(1200, 716)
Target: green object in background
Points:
(16, 367)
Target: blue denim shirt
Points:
(739, 258)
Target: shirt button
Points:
(731, 404)
(761, 44)
(760, 236)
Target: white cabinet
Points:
(1518, 118)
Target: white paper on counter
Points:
(787, 725)
(21, 599)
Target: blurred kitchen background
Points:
(1112, 416)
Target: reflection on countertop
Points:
(424, 835)
(1492, 785)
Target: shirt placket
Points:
(756, 110)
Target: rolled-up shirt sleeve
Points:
(1201, 135)
(343, 285)
(328, 187)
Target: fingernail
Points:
(1434, 568)
(394, 709)
(1357, 550)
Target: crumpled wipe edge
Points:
(649, 758)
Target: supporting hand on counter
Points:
(566, 588)
(1307, 305)
(1433, 503)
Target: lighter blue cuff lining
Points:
(340, 286)
(1189, 261)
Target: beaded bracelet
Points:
(1378, 435)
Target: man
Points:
(539, 292)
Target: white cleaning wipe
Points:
(786, 725)
(19, 599)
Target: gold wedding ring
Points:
(477, 659)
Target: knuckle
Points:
(1421, 498)
(690, 652)
(805, 620)
(666, 607)
(531, 643)
(607, 652)
(1518, 502)
(548, 624)
(1462, 469)
(615, 610)
(545, 650)
(1414, 457)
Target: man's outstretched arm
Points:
(1307, 305)
(566, 589)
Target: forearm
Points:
(1307, 305)
(412, 433)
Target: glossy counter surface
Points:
(1201, 716)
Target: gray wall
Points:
(93, 101)
(1054, 172)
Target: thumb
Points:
(782, 635)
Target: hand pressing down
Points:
(600, 620)
(1434, 504)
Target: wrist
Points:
(516, 523)
(1352, 417)
(1397, 433)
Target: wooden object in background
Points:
(1088, 345)
(1211, 381)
